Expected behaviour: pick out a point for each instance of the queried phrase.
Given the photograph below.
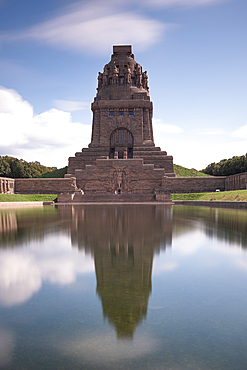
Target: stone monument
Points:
(122, 158)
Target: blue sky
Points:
(195, 52)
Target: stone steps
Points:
(112, 198)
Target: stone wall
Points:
(236, 182)
(193, 184)
(139, 178)
(45, 186)
(7, 185)
(123, 176)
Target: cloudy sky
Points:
(194, 51)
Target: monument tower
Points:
(122, 156)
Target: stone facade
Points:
(45, 186)
(122, 117)
(7, 186)
(193, 184)
(236, 182)
(140, 188)
(122, 144)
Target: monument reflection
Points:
(123, 240)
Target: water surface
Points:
(123, 287)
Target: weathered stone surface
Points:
(45, 186)
(193, 184)
(236, 182)
(122, 157)
(122, 117)
(119, 176)
(7, 186)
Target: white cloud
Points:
(70, 106)
(50, 137)
(212, 131)
(196, 149)
(160, 127)
(241, 132)
(94, 27)
(181, 3)
(97, 25)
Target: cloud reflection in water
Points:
(22, 271)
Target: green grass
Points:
(236, 195)
(186, 172)
(27, 197)
(59, 173)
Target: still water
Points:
(123, 287)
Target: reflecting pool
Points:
(123, 287)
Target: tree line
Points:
(15, 168)
(227, 167)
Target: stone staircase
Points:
(112, 198)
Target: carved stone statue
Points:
(145, 80)
(128, 76)
(115, 68)
(119, 179)
(115, 74)
(105, 76)
(100, 80)
(138, 75)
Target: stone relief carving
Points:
(119, 179)
(105, 76)
(100, 80)
(115, 76)
(138, 75)
(128, 75)
(145, 80)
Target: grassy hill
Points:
(179, 172)
(186, 172)
(58, 173)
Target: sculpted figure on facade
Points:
(128, 75)
(115, 74)
(105, 76)
(145, 80)
(138, 75)
(100, 80)
(119, 179)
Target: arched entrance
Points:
(121, 144)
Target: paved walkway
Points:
(20, 204)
